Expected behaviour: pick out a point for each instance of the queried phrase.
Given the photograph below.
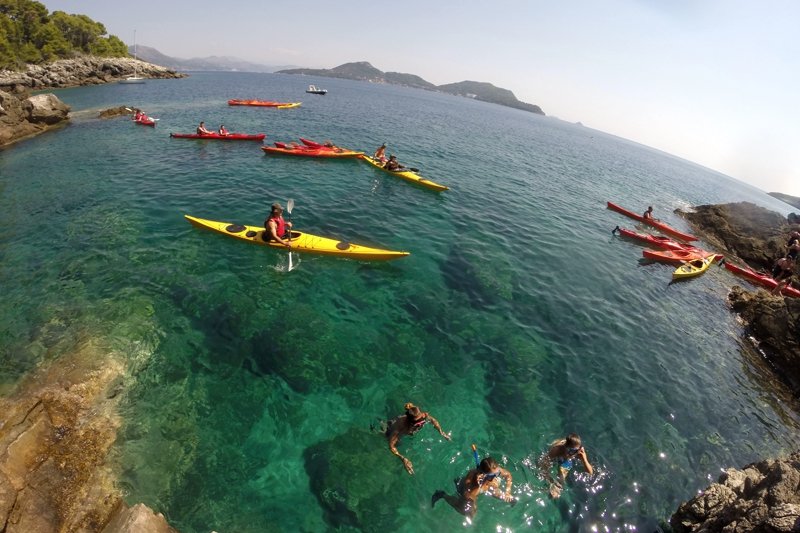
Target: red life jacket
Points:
(280, 226)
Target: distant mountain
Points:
(793, 201)
(213, 63)
(363, 71)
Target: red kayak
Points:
(228, 137)
(676, 256)
(765, 280)
(146, 121)
(665, 243)
(262, 103)
(305, 151)
(660, 226)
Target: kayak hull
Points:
(695, 267)
(310, 152)
(675, 256)
(660, 226)
(264, 103)
(146, 122)
(407, 175)
(764, 280)
(301, 241)
(658, 241)
(218, 137)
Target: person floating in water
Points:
(408, 424)
(482, 479)
(563, 452)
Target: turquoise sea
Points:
(516, 319)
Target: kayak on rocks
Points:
(301, 241)
(765, 280)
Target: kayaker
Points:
(201, 129)
(563, 453)
(275, 227)
(380, 153)
(408, 424)
(222, 130)
(782, 272)
(648, 215)
(482, 479)
(393, 165)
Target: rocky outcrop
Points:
(747, 233)
(56, 431)
(763, 497)
(22, 117)
(87, 70)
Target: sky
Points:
(712, 81)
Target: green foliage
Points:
(29, 34)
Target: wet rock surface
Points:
(761, 497)
(23, 116)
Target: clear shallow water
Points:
(517, 318)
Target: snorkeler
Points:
(408, 424)
(563, 452)
(478, 480)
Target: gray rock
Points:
(47, 109)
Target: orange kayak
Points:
(660, 226)
(676, 256)
(305, 151)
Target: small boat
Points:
(217, 136)
(675, 256)
(665, 243)
(301, 241)
(695, 267)
(306, 151)
(135, 78)
(660, 226)
(264, 103)
(765, 280)
(315, 90)
(408, 175)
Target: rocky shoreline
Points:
(23, 116)
(763, 496)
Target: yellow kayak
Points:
(289, 106)
(301, 241)
(695, 267)
(406, 175)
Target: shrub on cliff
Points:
(29, 34)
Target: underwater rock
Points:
(347, 500)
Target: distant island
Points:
(793, 201)
(207, 64)
(363, 71)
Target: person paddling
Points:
(393, 165)
(275, 227)
(648, 215)
(408, 424)
(201, 129)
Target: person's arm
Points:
(393, 440)
(585, 460)
(273, 230)
(438, 427)
(505, 474)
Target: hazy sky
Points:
(714, 81)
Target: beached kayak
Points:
(217, 136)
(665, 243)
(675, 256)
(660, 226)
(301, 241)
(765, 280)
(264, 103)
(407, 175)
(695, 267)
(305, 151)
(146, 121)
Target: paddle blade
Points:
(289, 205)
